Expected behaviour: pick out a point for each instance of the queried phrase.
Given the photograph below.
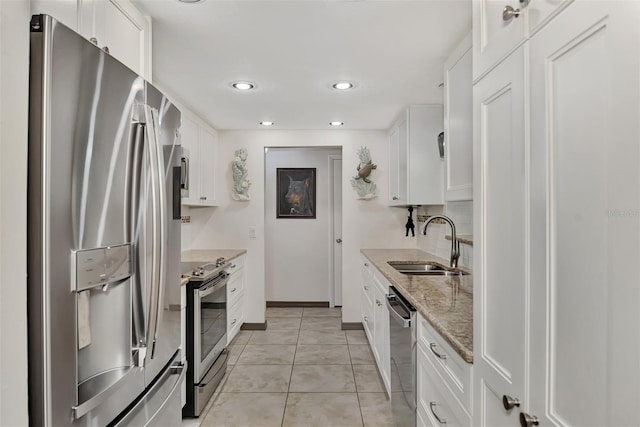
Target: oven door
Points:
(210, 325)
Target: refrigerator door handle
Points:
(159, 224)
(135, 166)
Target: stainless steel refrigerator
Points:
(103, 239)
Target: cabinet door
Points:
(398, 163)
(585, 228)
(381, 335)
(500, 224)
(189, 141)
(64, 11)
(493, 37)
(207, 142)
(125, 31)
(458, 124)
(540, 12)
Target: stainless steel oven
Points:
(210, 323)
(206, 337)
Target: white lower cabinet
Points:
(443, 384)
(375, 318)
(235, 298)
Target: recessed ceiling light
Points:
(267, 123)
(336, 123)
(342, 85)
(243, 85)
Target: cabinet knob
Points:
(366, 264)
(508, 13)
(394, 198)
(204, 198)
(527, 420)
(366, 319)
(378, 302)
(234, 321)
(509, 402)
(106, 49)
(366, 288)
(338, 240)
(94, 40)
(233, 290)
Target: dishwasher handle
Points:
(404, 321)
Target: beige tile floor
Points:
(302, 371)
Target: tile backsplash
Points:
(435, 242)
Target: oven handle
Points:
(211, 289)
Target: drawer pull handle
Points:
(232, 266)
(378, 302)
(233, 290)
(440, 420)
(432, 346)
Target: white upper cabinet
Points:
(416, 170)
(200, 146)
(458, 123)
(500, 26)
(114, 25)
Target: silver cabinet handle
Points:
(440, 420)
(234, 322)
(204, 198)
(234, 289)
(366, 288)
(432, 347)
(527, 420)
(508, 13)
(232, 266)
(394, 198)
(378, 302)
(338, 240)
(509, 402)
(366, 264)
(366, 319)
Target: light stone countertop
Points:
(445, 302)
(208, 255)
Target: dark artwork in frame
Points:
(296, 193)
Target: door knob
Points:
(509, 402)
(338, 240)
(527, 420)
(508, 13)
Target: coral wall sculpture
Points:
(365, 188)
(241, 183)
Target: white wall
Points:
(366, 224)
(297, 259)
(14, 89)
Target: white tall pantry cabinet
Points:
(557, 214)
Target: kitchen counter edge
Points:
(445, 302)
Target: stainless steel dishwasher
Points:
(402, 337)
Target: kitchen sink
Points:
(426, 269)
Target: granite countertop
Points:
(208, 255)
(445, 302)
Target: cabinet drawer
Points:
(235, 286)
(235, 318)
(381, 283)
(450, 366)
(367, 318)
(437, 406)
(236, 264)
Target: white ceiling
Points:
(294, 50)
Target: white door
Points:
(500, 222)
(585, 212)
(336, 165)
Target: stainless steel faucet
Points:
(455, 245)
